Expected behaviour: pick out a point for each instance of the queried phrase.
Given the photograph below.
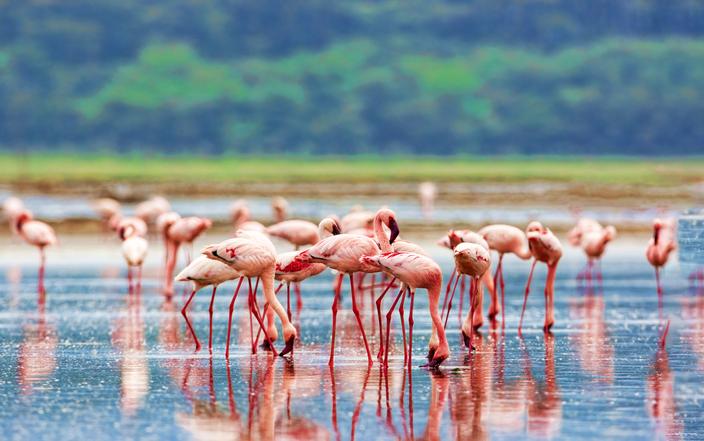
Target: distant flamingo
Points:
(415, 271)
(253, 259)
(659, 248)
(150, 209)
(505, 239)
(13, 207)
(473, 260)
(298, 232)
(184, 230)
(593, 238)
(427, 192)
(203, 272)
(134, 249)
(342, 253)
(545, 247)
(239, 213)
(35, 233)
(106, 208)
(357, 219)
(584, 225)
(117, 222)
(279, 206)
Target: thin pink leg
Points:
(463, 286)
(410, 332)
(359, 321)
(403, 327)
(473, 293)
(503, 294)
(389, 314)
(659, 290)
(288, 300)
(299, 297)
(453, 274)
(210, 324)
(188, 322)
(229, 319)
(257, 315)
(525, 296)
(379, 301)
(42, 266)
(331, 361)
(449, 304)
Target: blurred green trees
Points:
(432, 77)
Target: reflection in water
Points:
(661, 398)
(593, 345)
(128, 338)
(36, 360)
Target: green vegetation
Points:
(428, 77)
(52, 168)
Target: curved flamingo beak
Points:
(336, 229)
(436, 362)
(289, 346)
(393, 226)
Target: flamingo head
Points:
(329, 226)
(21, 218)
(388, 218)
(126, 231)
(454, 238)
(206, 223)
(165, 220)
(239, 212)
(211, 252)
(609, 233)
(657, 226)
(280, 207)
(535, 227)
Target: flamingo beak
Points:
(431, 353)
(336, 229)
(393, 226)
(289, 346)
(466, 340)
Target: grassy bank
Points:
(67, 168)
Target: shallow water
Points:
(97, 363)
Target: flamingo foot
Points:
(289, 346)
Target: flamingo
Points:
(505, 239)
(427, 192)
(118, 222)
(253, 259)
(35, 233)
(134, 249)
(290, 270)
(298, 232)
(357, 219)
(203, 272)
(239, 213)
(106, 208)
(183, 230)
(13, 207)
(470, 237)
(584, 225)
(474, 260)
(279, 206)
(150, 209)
(659, 248)
(593, 238)
(414, 271)
(342, 253)
(545, 247)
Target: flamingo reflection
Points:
(592, 342)
(661, 403)
(36, 360)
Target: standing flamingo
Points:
(279, 206)
(117, 222)
(473, 260)
(203, 272)
(239, 213)
(106, 208)
(427, 192)
(150, 209)
(659, 248)
(253, 259)
(298, 232)
(184, 230)
(35, 233)
(505, 239)
(414, 271)
(584, 225)
(342, 253)
(134, 249)
(13, 207)
(545, 247)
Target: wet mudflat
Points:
(95, 362)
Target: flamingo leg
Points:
(229, 320)
(255, 310)
(659, 291)
(410, 330)
(503, 295)
(453, 274)
(139, 279)
(525, 296)
(299, 297)
(473, 294)
(449, 304)
(210, 323)
(288, 299)
(42, 267)
(403, 327)
(129, 279)
(357, 316)
(389, 314)
(379, 301)
(549, 297)
(462, 291)
(338, 287)
(184, 310)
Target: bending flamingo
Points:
(13, 207)
(184, 230)
(35, 233)
(473, 260)
(253, 259)
(239, 213)
(106, 208)
(545, 247)
(134, 249)
(203, 272)
(298, 232)
(150, 209)
(505, 239)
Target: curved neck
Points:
(381, 236)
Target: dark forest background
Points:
(403, 77)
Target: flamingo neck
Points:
(656, 235)
(381, 236)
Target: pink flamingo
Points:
(203, 272)
(545, 247)
(279, 206)
(659, 248)
(414, 271)
(427, 192)
(183, 230)
(106, 208)
(117, 222)
(134, 249)
(505, 239)
(297, 232)
(357, 219)
(35, 233)
(451, 240)
(342, 253)
(13, 207)
(150, 209)
(239, 213)
(584, 225)
(251, 258)
(474, 260)
(593, 238)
